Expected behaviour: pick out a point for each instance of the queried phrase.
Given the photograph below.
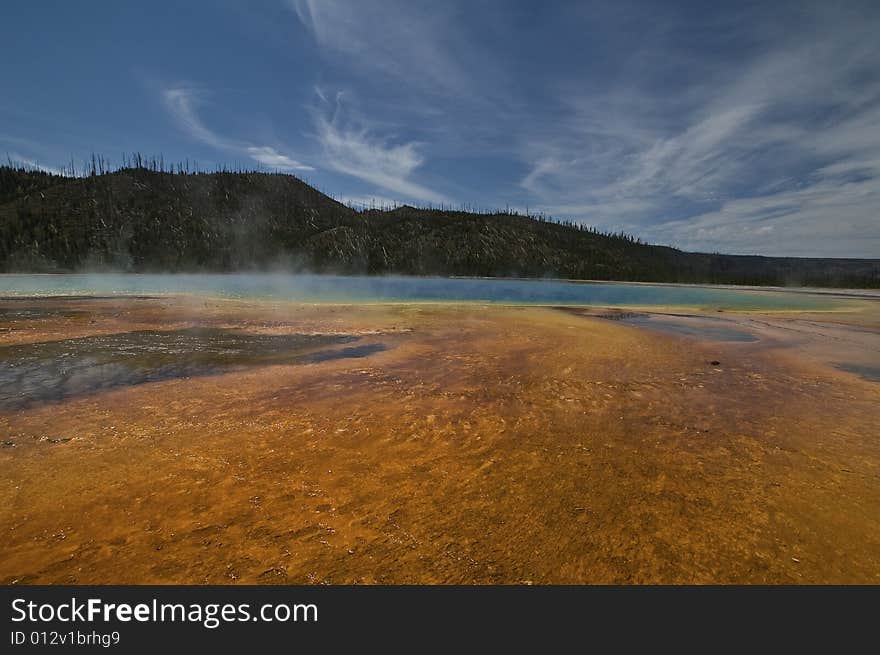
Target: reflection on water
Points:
(53, 370)
(692, 326)
(697, 327)
(355, 352)
(18, 311)
(865, 372)
(343, 289)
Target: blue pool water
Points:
(342, 289)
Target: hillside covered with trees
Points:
(142, 218)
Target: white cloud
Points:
(825, 219)
(270, 157)
(777, 151)
(26, 162)
(352, 149)
(181, 102)
(397, 39)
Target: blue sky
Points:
(748, 127)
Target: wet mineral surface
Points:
(181, 440)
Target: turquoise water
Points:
(341, 289)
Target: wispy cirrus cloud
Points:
(181, 104)
(352, 148)
(747, 127)
(408, 41)
(270, 157)
(17, 159)
(825, 219)
(425, 66)
(609, 171)
(775, 153)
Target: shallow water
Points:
(33, 373)
(866, 372)
(342, 289)
(691, 326)
(25, 311)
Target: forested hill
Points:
(139, 219)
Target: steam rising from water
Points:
(344, 289)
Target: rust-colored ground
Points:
(484, 445)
